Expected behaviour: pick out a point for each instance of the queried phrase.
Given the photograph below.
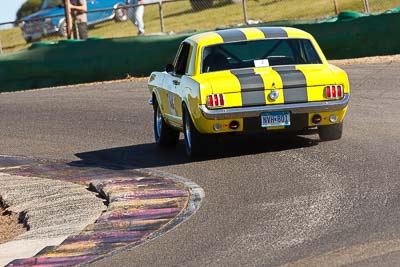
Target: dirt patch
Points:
(9, 224)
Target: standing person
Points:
(79, 19)
(135, 14)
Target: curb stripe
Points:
(273, 32)
(251, 86)
(232, 35)
(123, 226)
(294, 84)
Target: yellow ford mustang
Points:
(247, 80)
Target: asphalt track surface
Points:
(269, 200)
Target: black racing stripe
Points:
(249, 80)
(243, 71)
(251, 86)
(284, 68)
(294, 85)
(293, 79)
(295, 95)
(273, 32)
(298, 122)
(232, 35)
(253, 98)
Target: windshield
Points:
(46, 4)
(260, 53)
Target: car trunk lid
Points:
(253, 85)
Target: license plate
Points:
(273, 119)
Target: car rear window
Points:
(259, 53)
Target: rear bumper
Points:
(296, 108)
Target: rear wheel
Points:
(193, 139)
(164, 135)
(330, 132)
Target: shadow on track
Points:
(151, 156)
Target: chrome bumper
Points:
(297, 108)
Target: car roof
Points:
(243, 34)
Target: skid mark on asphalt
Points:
(350, 255)
(142, 205)
(291, 221)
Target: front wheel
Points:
(120, 14)
(164, 135)
(193, 139)
(330, 132)
(62, 31)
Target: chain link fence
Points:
(174, 16)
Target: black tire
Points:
(201, 4)
(121, 14)
(164, 135)
(194, 141)
(62, 30)
(28, 40)
(330, 132)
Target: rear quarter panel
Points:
(154, 85)
(191, 97)
(341, 77)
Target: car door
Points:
(91, 16)
(173, 86)
(95, 17)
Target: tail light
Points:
(215, 100)
(334, 91)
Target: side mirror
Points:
(169, 68)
